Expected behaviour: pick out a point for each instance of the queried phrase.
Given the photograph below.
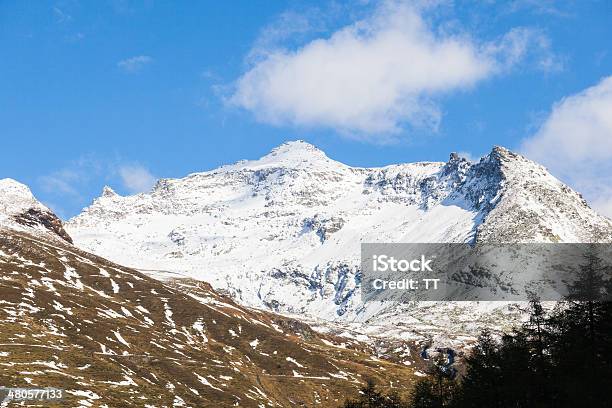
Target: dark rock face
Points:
(323, 227)
(34, 217)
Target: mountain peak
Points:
(20, 209)
(292, 154)
(108, 192)
(13, 188)
(502, 153)
(296, 147)
(15, 197)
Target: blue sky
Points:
(121, 93)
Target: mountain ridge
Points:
(284, 232)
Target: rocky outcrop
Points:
(35, 217)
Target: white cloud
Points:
(59, 182)
(375, 76)
(604, 204)
(136, 178)
(575, 142)
(134, 64)
(524, 43)
(70, 179)
(291, 25)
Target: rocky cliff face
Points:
(35, 217)
(284, 231)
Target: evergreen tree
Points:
(425, 395)
(480, 387)
(582, 326)
(437, 389)
(561, 359)
(370, 397)
(538, 338)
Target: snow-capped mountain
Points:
(284, 232)
(20, 210)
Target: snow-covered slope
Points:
(284, 231)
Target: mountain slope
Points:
(284, 231)
(112, 336)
